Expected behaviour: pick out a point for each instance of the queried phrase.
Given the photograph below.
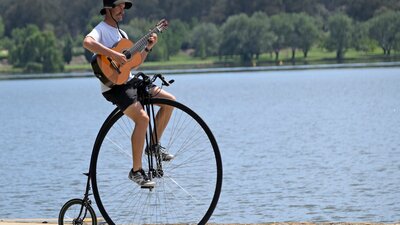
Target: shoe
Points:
(141, 178)
(165, 155)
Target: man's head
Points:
(109, 4)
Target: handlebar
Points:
(150, 80)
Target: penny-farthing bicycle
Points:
(187, 188)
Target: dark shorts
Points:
(123, 95)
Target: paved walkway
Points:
(27, 221)
(54, 221)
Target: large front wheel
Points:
(189, 188)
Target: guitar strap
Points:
(119, 30)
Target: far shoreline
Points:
(82, 74)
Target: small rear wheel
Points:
(77, 212)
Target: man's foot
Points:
(165, 155)
(141, 178)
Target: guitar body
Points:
(109, 71)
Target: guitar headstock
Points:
(162, 25)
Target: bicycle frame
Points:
(86, 200)
(151, 141)
(152, 106)
(152, 138)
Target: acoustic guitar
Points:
(110, 72)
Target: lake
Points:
(308, 145)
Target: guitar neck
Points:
(141, 44)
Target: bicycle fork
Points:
(153, 145)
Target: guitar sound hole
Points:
(127, 54)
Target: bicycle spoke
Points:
(119, 148)
(183, 189)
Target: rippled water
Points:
(312, 145)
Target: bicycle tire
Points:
(66, 217)
(120, 201)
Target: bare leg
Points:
(164, 113)
(141, 119)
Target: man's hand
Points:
(119, 58)
(152, 41)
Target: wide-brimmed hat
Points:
(108, 4)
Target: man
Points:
(99, 41)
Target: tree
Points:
(36, 51)
(340, 34)
(205, 40)
(246, 36)
(67, 49)
(1, 27)
(397, 43)
(260, 36)
(3, 40)
(363, 10)
(305, 33)
(283, 29)
(361, 38)
(218, 12)
(233, 35)
(17, 56)
(176, 35)
(384, 28)
(51, 59)
(22, 12)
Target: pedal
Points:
(149, 188)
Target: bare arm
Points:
(96, 47)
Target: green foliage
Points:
(67, 49)
(159, 52)
(1, 27)
(260, 36)
(361, 39)
(4, 41)
(205, 40)
(283, 28)
(397, 42)
(33, 47)
(234, 35)
(385, 29)
(246, 36)
(340, 34)
(176, 35)
(305, 33)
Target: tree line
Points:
(38, 40)
(73, 16)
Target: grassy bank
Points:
(316, 56)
